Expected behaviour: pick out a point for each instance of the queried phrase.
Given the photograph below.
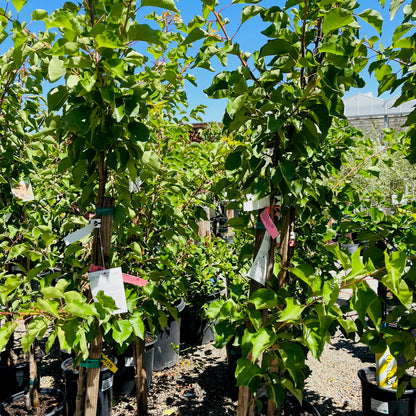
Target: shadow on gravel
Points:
(215, 382)
(356, 350)
(326, 406)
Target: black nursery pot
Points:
(380, 401)
(105, 392)
(165, 355)
(56, 410)
(199, 330)
(13, 379)
(125, 377)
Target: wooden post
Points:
(100, 257)
(139, 353)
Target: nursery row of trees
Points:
(92, 114)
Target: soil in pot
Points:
(51, 403)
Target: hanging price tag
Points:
(258, 270)
(110, 281)
(268, 223)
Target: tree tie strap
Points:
(91, 363)
(105, 211)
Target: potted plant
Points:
(282, 111)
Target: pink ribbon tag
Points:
(127, 278)
(268, 223)
(138, 281)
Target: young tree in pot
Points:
(284, 99)
(28, 159)
(108, 108)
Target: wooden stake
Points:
(244, 395)
(100, 257)
(139, 354)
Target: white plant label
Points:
(82, 232)
(110, 281)
(251, 205)
(107, 383)
(258, 270)
(380, 407)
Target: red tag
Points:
(268, 223)
(94, 268)
(127, 278)
(138, 281)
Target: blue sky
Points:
(249, 38)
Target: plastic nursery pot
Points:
(13, 379)
(105, 392)
(380, 401)
(125, 377)
(168, 340)
(199, 330)
(51, 402)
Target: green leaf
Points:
(194, 35)
(292, 312)
(140, 32)
(6, 332)
(335, 19)
(261, 340)
(366, 302)
(55, 69)
(39, 14)
(373, 18)
(394, 7)
(57, 97)
(137, 325)
(52, 292)
(49, 307)
(250, 11)
(288, 169)
(108, 39)
(121, 331)
(395, 265)
(164, 4)
(233, 160)
(83, 310)
(18, 4)
(246, 371)
(276, 47)
(139, 131)
(264, 299)
(401, 30)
